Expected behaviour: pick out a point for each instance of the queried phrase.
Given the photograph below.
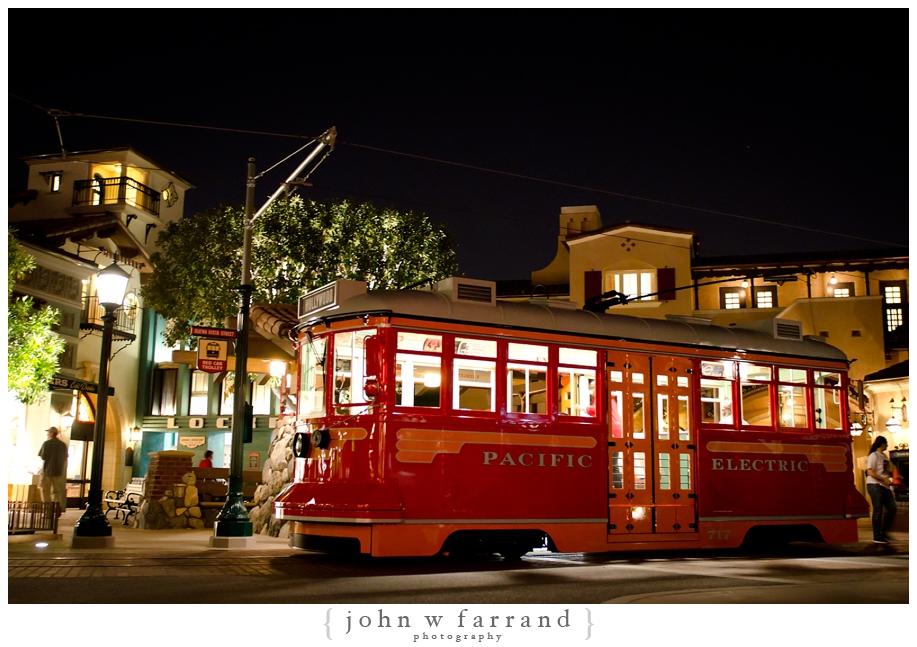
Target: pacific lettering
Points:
(529, 459)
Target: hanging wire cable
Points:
(481, 169)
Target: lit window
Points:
(312, 377)
(226, 397)
(894, 317)
(843, 290)
(893, 294)
(261, 399)
(576, 386)
(200, 384)
(527, 384)
(53, 178)
(632, 283)
(766, 297)
(348, 368)
(474, 385)
(418, 378)
(756, 392)
(716, 392)
(732, 298)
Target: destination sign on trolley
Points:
(223, 333)
(328, 297)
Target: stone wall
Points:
(171, 497)
(177, 508)
(278, 470)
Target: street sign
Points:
(224, 333)
(64, 383)
(211, 355)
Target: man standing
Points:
(54, 472)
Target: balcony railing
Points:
(115, 190)
(125, 319)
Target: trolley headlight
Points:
(321, 438)
(301, 445)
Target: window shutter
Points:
(665, 283)
(592, 284)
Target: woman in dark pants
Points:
(878, 485)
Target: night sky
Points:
(662, 117)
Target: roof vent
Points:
(462, 289)
(777, 328)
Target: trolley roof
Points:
(436, 306)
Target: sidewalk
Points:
(130, 540)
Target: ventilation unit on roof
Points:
(473, 290)
(778, 328)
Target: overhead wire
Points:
(463, 165)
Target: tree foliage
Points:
(34, 348)
(297, 245)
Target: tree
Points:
(297, 245)
(34, 348)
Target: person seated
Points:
(207, 461)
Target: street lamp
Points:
(92, 529)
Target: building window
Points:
(226, 397)
(844, 290)
(200, 386)
(894, 302)
(633, 283)
(53, 178)
(732, 298)
(261, 399)
(164, 401)
(766, 297)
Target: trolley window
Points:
(717, 379)
(826, 396)
(348, 370)
(527, 383)
(474, 380)
(756, 388)
(312, 378)
(418, 375)
(792, 403)
(575, 383)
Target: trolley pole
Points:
(233, 527)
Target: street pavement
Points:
(162, 552)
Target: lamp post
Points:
(92, 529)
(233, 528)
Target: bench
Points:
(213, 483)
(124, 501)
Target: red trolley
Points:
(445, 421)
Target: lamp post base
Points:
(232, 542)
(93, 522)
(92, 542)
